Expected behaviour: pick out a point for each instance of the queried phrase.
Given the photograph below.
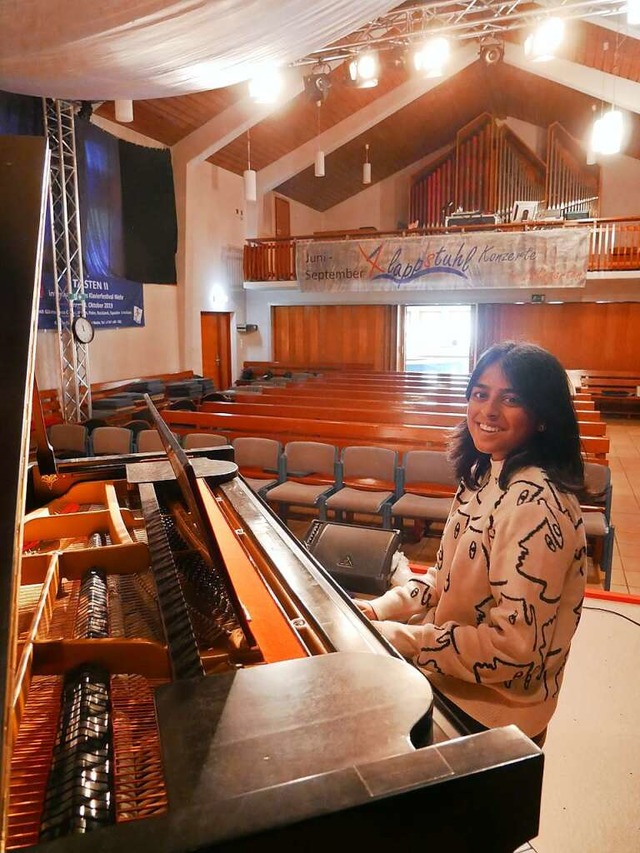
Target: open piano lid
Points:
(185, 476)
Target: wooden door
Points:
(282, 217)
(215, 328)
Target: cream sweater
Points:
(491, 623)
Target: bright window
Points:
(438, 338)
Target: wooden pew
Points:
(278, 368)
(386, 415)
(368, 405)
(341, 434)
(377, 395)
(614, 392)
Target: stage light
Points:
(363, 70)
(266, 86)
(633, 13)
(432, 56)
(318, 83)
(491, 51)
(608, 132)
(542, 44)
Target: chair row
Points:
(366, 480)
(376, 481)
(75, 440)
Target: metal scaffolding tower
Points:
(68, 270)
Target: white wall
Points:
(303, 219)
(216, 222)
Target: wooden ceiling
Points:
(411, 133)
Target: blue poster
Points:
(110, 303)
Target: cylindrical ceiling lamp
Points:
(366, 166)
(124, 111)
(249, 175)
(250, 185)
(318, 167)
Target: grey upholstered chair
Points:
(69, 440)
(196, 440)
(111, 440)
(428, 483)
(149, 440)
(258, 461)
(367, 485)
(309, 470)
(596, 514)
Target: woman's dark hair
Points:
(539, 379)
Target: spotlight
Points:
(86, 110)
(491, 52)
(362, 72)
(265, 87)
(542, 44)
(317, 84)
(608, 133)
(431, 58)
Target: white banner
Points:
(555, 257)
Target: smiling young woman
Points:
(491, 623)
(497, 419)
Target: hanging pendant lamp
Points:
(366, 166)
(318, 168)
(124, 111)
(249, 175)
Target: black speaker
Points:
(357, 557)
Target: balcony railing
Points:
(614, 245)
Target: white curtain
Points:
(120, 49)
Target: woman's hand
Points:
(366, 608)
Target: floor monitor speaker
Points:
(357, 557)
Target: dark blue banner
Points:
(110, 303)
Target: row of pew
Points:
(398, 411)
(120, 401)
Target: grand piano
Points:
(178, 673)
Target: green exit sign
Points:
(537, 297)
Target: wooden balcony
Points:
(614, 245)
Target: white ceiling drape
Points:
(112, 49)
